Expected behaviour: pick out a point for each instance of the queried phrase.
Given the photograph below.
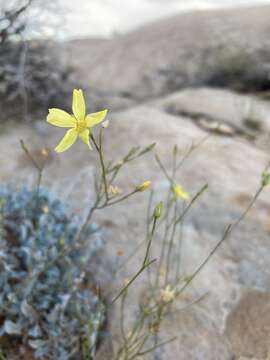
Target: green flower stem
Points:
(88, 217)
(117, 201)
(249, 206)
(179, 251)
(122, 318)
(156, 346)
(149, 213)
(227, 232)
(198, 270)
(166, 231)
(191, 149)
(199, 193)
(135, 346)
(132, 280)
(146, 257)
(171, 245)
(130, 256)
(34, 162)
(101, 159)
(124, 352)
(166, 217)
(114, 175)
(131, 156)
(162, 167)
(144, 340)
(137, 328)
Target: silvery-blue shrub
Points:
(46, 300)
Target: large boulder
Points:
(190, 49)
(223, 111)
(231, 167)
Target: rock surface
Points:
(232, 321)
(224, 111)
(248, 325)
(242, 262)
(185, 50)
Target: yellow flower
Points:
(143, 186)
(179, 193)
(79, 123)
(167, 295)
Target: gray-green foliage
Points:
(45, 297)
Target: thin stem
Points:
(148, 214)
(132, 280)
(150, 242)
(162, 167)
(199, 193)
(101, 159)
(34, 162)
(171, 245)
(122, 317)
(132, 254)
(149, 217)
(137, 344)
(114, 175)
(131, 156)
(191, 149)
(138, 326)
(166, 231)
(179, 252)
(198, 270)
(192, 303)
(156, 347)
(228, 231)
(117, 201)
(146, 337)
(88, 218)
(249, 206)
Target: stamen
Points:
(81, 126)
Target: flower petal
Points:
(84, 136)
(60, 118)
(179, 193)
(95, 118)
(68, 140)
(78, 104)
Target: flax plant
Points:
(165, 218)
(166, 284)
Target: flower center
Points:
(81, 126)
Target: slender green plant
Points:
(165, 218)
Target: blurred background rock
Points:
(49, 47)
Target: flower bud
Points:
(158, 210)
(179, 193)
(143, 186)
(265, 178)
